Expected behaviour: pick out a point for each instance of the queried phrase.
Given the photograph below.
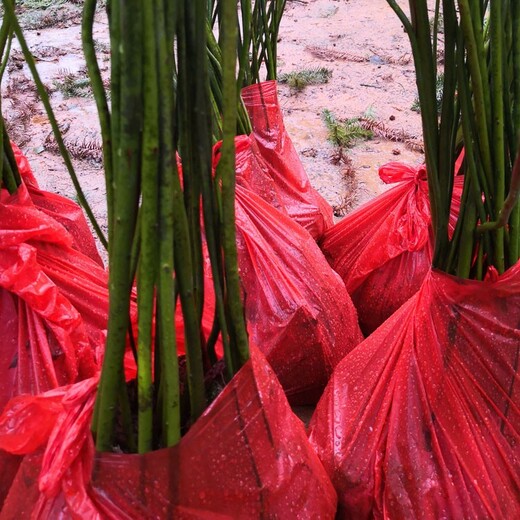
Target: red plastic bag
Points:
(297, 309)
(46, 343)
(422, 420)
(53, 308)
(383, 250)
(282, 164)
(61, 209)
(246, 457)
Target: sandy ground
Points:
(360, 41)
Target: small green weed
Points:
(298, 80)
(40, 4)
(50, 13)
(344, 133)
(74, 85)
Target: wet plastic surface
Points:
(246, 457)
(46, 340)
(422, 420)
(297, 309)
(383, 250)
(44, 286)
(281, 163)
(61, 209)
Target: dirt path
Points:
(363, 44)
(360, 41)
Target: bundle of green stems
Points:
(481, 100)
(161, 109)
(161, 215)
(258, 28)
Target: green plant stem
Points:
(149, 228)
(227, 173)
(5, 30)
(9, 9)
(5, 50)
(478, 76)
(467, 242)
(188, 239)
(449, 112)
(244, 72)
(498, 146)
(8, 176)
(9, 157)
(126, 183)
(170, 202)
(514, 223)
(98, 89)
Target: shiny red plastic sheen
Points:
(246, 457)
(422, 420)
(61, 209)
(53, 304)
(383, 250)
(281, 163)
(298, 311)
(35, 312)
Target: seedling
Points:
(298, 80)
(74, 84)
(344, 133)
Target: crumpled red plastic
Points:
(383, 250)
(246, 457)
(63, 210)
(46, 342)
(53, 305)
(281, 163)
(297, 309)
(422, 420)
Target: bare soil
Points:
(360, 41)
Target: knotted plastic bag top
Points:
(300, 200)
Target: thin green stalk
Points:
(149, 228)
(168, 215)
(195, 147)
(9, 9)
(5, 52)
(126, 183)
(449, 115)
(187, 244)
(8, 154)
(5, 40)
(436, 26)
(466, 247)
(244, 71)
(498, 143)
(114, 16)
(514, 222)
(478, 76)
(227, 173)
(8, 176)
(98, 89)
(472, 170)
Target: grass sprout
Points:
(344, 133)
(55, 15)
(298, 80)
(74, 84)
(40, 4)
